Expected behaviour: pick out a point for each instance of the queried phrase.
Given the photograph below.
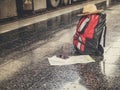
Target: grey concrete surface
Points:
(29, 69)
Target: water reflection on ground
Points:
(44, 30)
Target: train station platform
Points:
(29, 30)
(27, 68)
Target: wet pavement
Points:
(27, 67)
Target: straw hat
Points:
(89, 9)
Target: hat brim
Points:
(83, 14)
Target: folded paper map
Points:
(71, 60)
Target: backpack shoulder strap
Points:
(104, 36)
(105, 29)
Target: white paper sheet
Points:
(71, 60)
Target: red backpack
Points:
(87, 37)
